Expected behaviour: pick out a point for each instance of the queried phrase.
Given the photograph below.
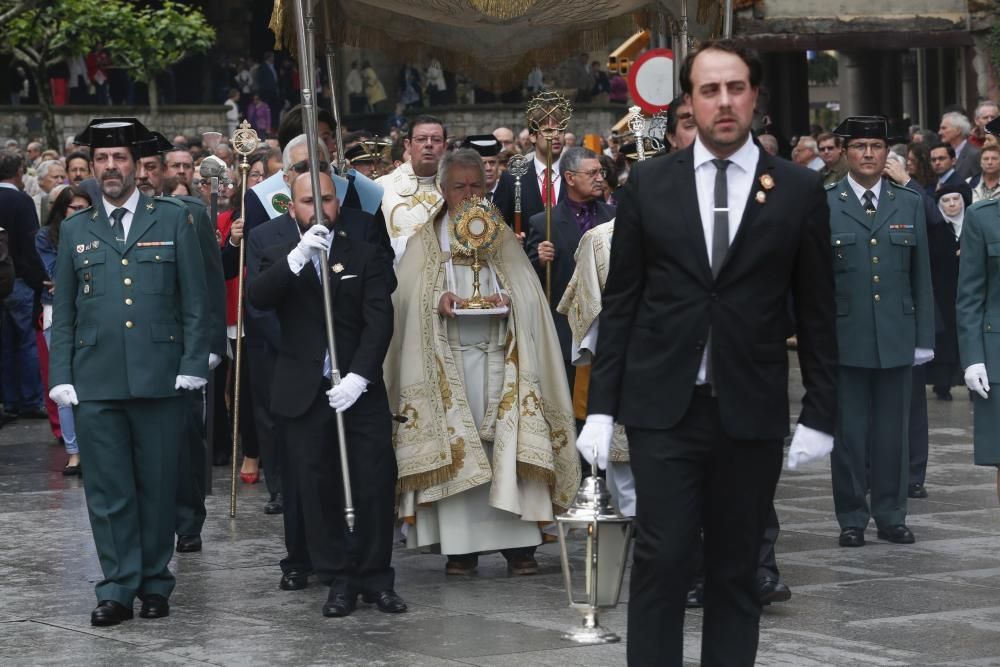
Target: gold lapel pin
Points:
(338, 267)
(760, 197)
(150, 206)
(766, 181)
(843, 195)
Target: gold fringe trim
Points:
(424, 480)
(533, 472)
(503, 9)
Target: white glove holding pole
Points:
(64, 395)
(346, 394)
(596, 436)
(808, 445)
(922, 355)
(213, 360)
(976, 379)
(315, 239)
(189, 382)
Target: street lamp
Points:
(598, 583)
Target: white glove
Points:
(213, 360)
(596, 435)
(808, 445)
(315, 239)
(976, 380)
(189, 382)
(345, 394)
(922, 355)
(64, 395)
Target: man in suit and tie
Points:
(499, 184)
(710, 243)
(580, 211)
(885, 326)
(954, 131)
(944, 165)
(302, 395)
(130, 332)
(263, 340)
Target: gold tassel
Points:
(535, 473)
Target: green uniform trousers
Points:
(191, 467)
(129, 450)
(871, 445)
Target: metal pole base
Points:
(592, 632)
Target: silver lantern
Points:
(597, 584)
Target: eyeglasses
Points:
(257, 175)
(437, 141)
(303, 166)
(863, 147)
(593, 173)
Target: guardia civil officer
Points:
(129, 334)
(978, 319)
(885, 325)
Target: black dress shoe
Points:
(340, 604)
(387, 601)
(154, 606)
(275, 505)
(916, 491)
(696, 596)
(220, 459)
(772, 590)
(943, 394)
(188, 543)
(109, 612)
(34, 413)
(897, 534)
(293, 580)
(852, 537)
(71, 471)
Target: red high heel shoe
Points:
(250, 477)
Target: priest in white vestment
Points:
(486, 455)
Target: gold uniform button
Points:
(124, 262)
(86, 261)
(129, 325)
(875, 278)
(128, 302)
(989, 327)
(874, 260)
(877, 298)
(837, 242)
(874, 241)
(128, 281)
(157, 258)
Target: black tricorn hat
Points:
(111, 132)
(993, 127)
(358, 153)
(866, 127)
(154, 146)
(484, 144)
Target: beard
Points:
(146, 188)
(116, 191)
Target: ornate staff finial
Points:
(548, 113)
(637, 124)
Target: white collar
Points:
(130, 205)
(745, 158)
(10, 186)
(859, 190)
(540, 166)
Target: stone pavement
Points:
(933, 603)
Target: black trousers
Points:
(190, 508)
(716, 484)
(919, 436)
(255, 411)
(359, 561)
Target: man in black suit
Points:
(943, 164)
(499, 184)
(580, 211)
(302, 395)
(954, 131)
(21, 374)
(710, 242)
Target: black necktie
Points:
(720, 235)
(117, 227)
(869, 202)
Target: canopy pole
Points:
(332, 82)
(727, 20)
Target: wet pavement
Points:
(936, 602)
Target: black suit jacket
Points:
(21, 222)
(967, 164)
(362, 319)
(565, 237)
(531, 195)
(503, 198)
(661, 301)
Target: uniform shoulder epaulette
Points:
(170, 200)
(983, 203)
(902, 188)
(830, 186)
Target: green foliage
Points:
(150, 40)
(823, 69)
(993, 43)
(48, 32)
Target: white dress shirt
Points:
(130, 205)
(859, 190)
(540, 177)
(739, 183)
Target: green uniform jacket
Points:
(885, 303)
(214, 280)
(126, 323)
(978, 302)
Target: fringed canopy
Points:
(497, 42)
